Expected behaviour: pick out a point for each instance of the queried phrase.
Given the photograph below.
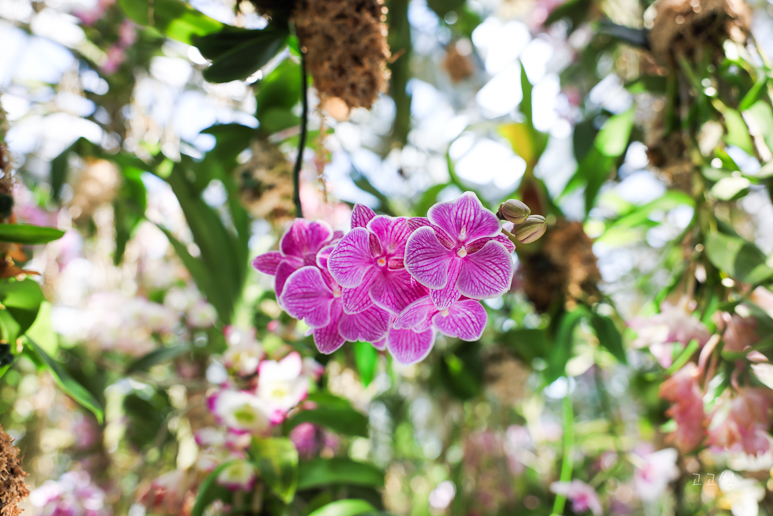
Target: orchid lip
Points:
(444, 313)
(462, 252)
(337, 293)
(381, 262)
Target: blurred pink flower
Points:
(166, 494)
(582, 496)
(654, 471)
(93, 15)
(674, 324)
(744, 426)
(115, 58)
(127, 33)
(683, 390)
(739, 332)
(72, 494)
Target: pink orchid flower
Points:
(459, 251)
(684, 391)
(745, 424)
(655, 470)
(368, 264)
(298, 247)
(583, 497)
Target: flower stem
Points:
(301, 139)
(568, 461)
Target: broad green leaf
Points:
(527, 343)
(175, 18)
(561, 349)
(341, 420)
(428, 198)
(366, 358)
(63, 379)
(344, 508)
(762, 116)
(21, 300)
(461, 371)
(277, 460)
(247, 58)
(323, 472)
(280, 89)
(42, 330)
(612, 139)
(27, 234)
(217, 44)
(730, 188)
(737, 132)
(752, 95)
(157, 356)
(609, 336)
(274, 120)
(208, 490)
(738, 258)
(327, 399)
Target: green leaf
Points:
(561, 350)
(42, 330)
(21, 301)
(762, 115)
(737, 132)
(730, 188)
(207, 490)
(175, 18)
(27, 234)
(63, 379)
(344, 508)
(277, 460)
(129, 208)
(612, 139)
(157, 356)
(322, 472)
(752, 95)
(341, 420)
(279, 90)
(527, 343)
(668, 201)
(326, 399)
(366, 357)
(609, 336)
(428, 198)
(248, 57)
(738, 258)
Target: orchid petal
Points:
(350, 260)
(285, 269)
(464, 219)
(307, 296)
(392, 232)
(474, 247)
(267, 262)
(323, 255)
(393, 290)
(361, 215)
(328, 338)
(408, 346)
(427, 259)
(416, 315)
(448, 295)
(305, 237)
(487, 273)
(358, 298)
(380, 345)
(466, 319)
(368, 326)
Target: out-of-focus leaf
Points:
(609, 336)
(28, 234)
(612, 139)
(762, 116)
(174, 18)
(428, 198)
(325, 399)
(63, 379)
(583, 137)
(338, 470)
(21, 301)
(461, 372)
(278, 119)
(634, 37)
(527, 343)
(42, 330)
(248, 57)
(364, 184)
(668, 201)
(157, 356)
(208, 490)
(366, 358)
(752, 95)
(280, 89)
(145, 415)
(344, 508)
(575, 11)
(738, 258)
(277, 460)
(561, 350)
(730, 188)
(129, 207)
(341, 420)
(442, 7)
(737, 132)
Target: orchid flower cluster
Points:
(397, 282)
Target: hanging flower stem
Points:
(301, 139)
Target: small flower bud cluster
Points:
(527, 228)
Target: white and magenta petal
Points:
(408, 346)
(305, 237)
(426, 259)
(351, 259)
(283, 272)
(392, 232)
(466, 320)
(474, 247)
(358, 298)
(487, 273)
(393, 290)
(328, 338)
(307, 296)
(464, 219)
(380, 345)
(267, 262)
(361, 215)
(448, 295)
(417, 315)
(368, 326)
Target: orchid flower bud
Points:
(513, 211)
(530, 230)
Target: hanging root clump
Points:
(563, 270)
(346, 48)
(12, 487)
